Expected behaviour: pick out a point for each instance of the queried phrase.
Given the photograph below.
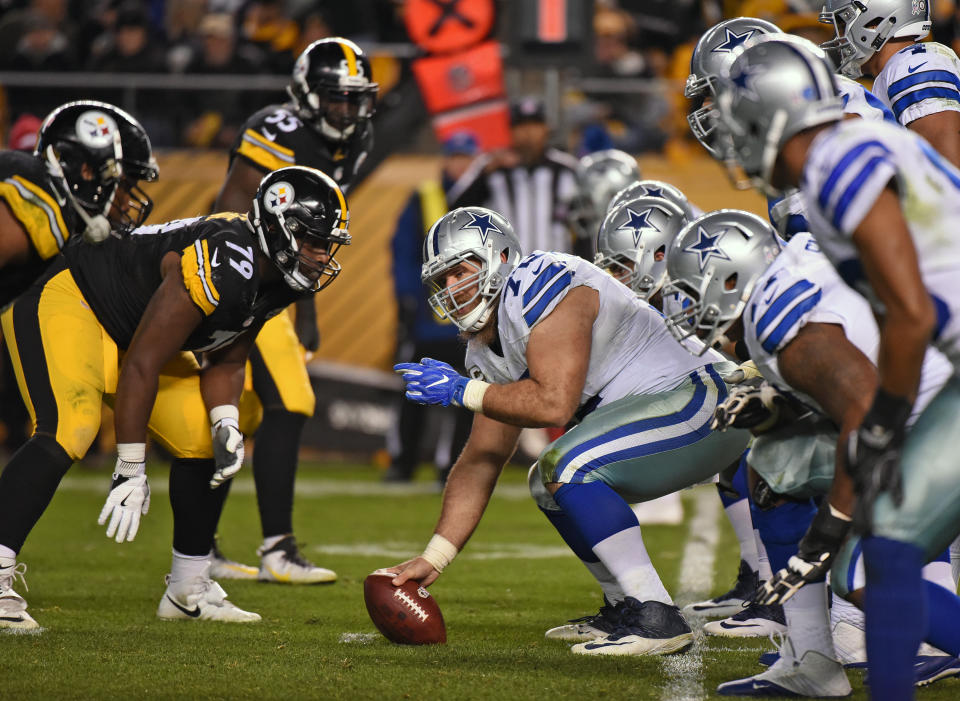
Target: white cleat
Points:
(13, 607)
(645, 628)
(850, 643)
(754, 621)
(201, 599)
(221, 567)
(284, 563)
(592, 627)
(812, 676)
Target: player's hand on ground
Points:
(129, 498)
(432, 382)
(417, 569)
(227, 450)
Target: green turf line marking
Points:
(683, 673)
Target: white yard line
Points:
(310, 487)
(683, 673)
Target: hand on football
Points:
(416, 569)
(129, 498)
(227, 451)
(432, 382)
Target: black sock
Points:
(275, 456)
(196, 507)
(27, 485)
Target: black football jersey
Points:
(32, 200)
(218, 262)
(276, 138)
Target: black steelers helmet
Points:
(116, 152)
(332, 87)
(297, 208)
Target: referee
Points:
(530, 184)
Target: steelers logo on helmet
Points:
(280, 195)
(95, 129)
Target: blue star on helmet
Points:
(732, 41)
(744, 79)
(637, 222)
(655, 192)
(706, 247)
(482, 224)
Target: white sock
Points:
(848, 640)
(6, 552)
(626, 557)
(808, 621)
(763, 561)
(608, 583)
(738, 513)
(187, 566)
(940, 573)
(955, 561)
(270, 541)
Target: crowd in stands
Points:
(633, 39)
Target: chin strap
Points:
(98, 226)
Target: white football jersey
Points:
(847, 168)
(919, 80)
(801, 287)
(631, 352)
(786, 214)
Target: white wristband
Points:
(473, 395)
(836, 513)
(225, 412)
(132, 452)
(439, 552)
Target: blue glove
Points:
(432, 382)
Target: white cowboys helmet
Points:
(600, 176)
(712, 56)
(777, 87)
(652, 188)
(480, 238)
(633, 241)
(714, 263)
(863, 26)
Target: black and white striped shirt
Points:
(535, 200)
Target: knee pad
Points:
(538, 490)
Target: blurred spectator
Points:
(131, 48)
(420, 334)
(221, 112)
(633, 119)
(23, 133)
(531, 184)
(313, 25)
(41, 47)
(267, 25)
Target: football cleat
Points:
(848, 642)
(13, 607)
(644, 628)
(731, 602)
(200, 599)
(592, 627)
(814, 676)
(284, 563)
(222, 567)
(754, 621)
(928, 669)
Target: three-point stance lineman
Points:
(553, 340)
(206, 284)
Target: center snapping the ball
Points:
(406, 614)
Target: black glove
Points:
(305, 325)
(812, 561)
(873, 456)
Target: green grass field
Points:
(96, 603)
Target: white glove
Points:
(227, 443)
(129, 498)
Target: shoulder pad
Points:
(221, 264)
(28, 192)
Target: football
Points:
(406, 614)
